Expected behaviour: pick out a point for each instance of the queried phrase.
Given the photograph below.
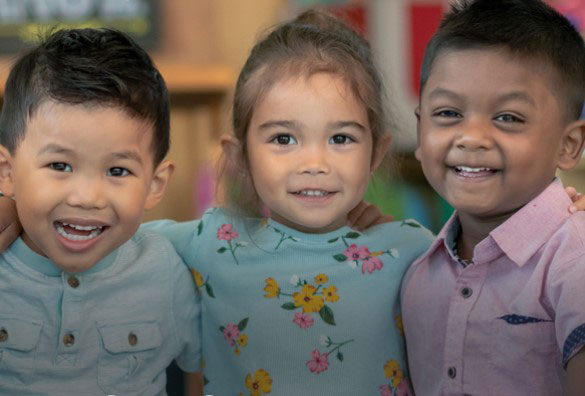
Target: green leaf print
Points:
(352, 235)
(340, 356)
(199, 228)
(326, 314)
(222, 249)
(289, 306)
(340, 257)
(243, 323)
(333, 240)
(209, 290)
(410, 224)
(221, 328)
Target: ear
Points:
(572, 145)
(231, 146)
(6, 179)
(158, 185)
(380, 150)
(417, 154)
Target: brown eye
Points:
(284, 139)
(60, 167)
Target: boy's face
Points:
(490, 128)
(82, 178)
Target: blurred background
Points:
(199, 46)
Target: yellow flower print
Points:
(330, 293)
(392, 370)
(243, 339)
(272, 289)
(237, 351)
(376, 254)
(198, 278)
(307, 299)
(399, 325)
(321, 278)
(262, 383)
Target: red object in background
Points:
(355, 15)
(424, 20)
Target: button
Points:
(132, 339)
(3, 335)
(73, 281)
(466, 292)
(452, 372)
(68, 339)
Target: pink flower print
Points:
(303, 320)
(231, 333)
(318, 362)
(385, 390)
(226, 232)
(354, 252)
(371, 264)
(403, 389)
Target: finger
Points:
(571, 191)
(356, 213)
(9, 234)
(578, 203)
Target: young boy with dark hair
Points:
(88, 306)
(495, 306)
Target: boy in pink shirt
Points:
(496, 305)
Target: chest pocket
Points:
(127, 361)
(19, 341)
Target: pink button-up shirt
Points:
(508, 323)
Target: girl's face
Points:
(310, 152)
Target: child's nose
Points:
(314, 161)
(87, 194)
(474, 136)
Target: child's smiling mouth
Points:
(312, 193)
(473, 172)
(78, 232)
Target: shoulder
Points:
(409, 232)
(150, 247)
(568, 242)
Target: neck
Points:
(474, 229)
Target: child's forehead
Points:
(87, 123)
(487, 62)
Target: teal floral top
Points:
(289, 313)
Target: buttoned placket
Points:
(71, 318)
(463, 298)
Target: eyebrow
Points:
(510, 96)
(53, 148)
(127, 155)
(295, 125)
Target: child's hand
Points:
(577, 198)
(10, 227)
(365, 215)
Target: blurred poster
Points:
(21, 21)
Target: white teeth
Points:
(95, 231)
(471, 170)
(83, 228)
(313, 193)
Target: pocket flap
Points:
(130, 337)
(18, 334)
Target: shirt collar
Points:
(520, 236)
(45, 266)
(529, 228)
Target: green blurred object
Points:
(408, 195)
